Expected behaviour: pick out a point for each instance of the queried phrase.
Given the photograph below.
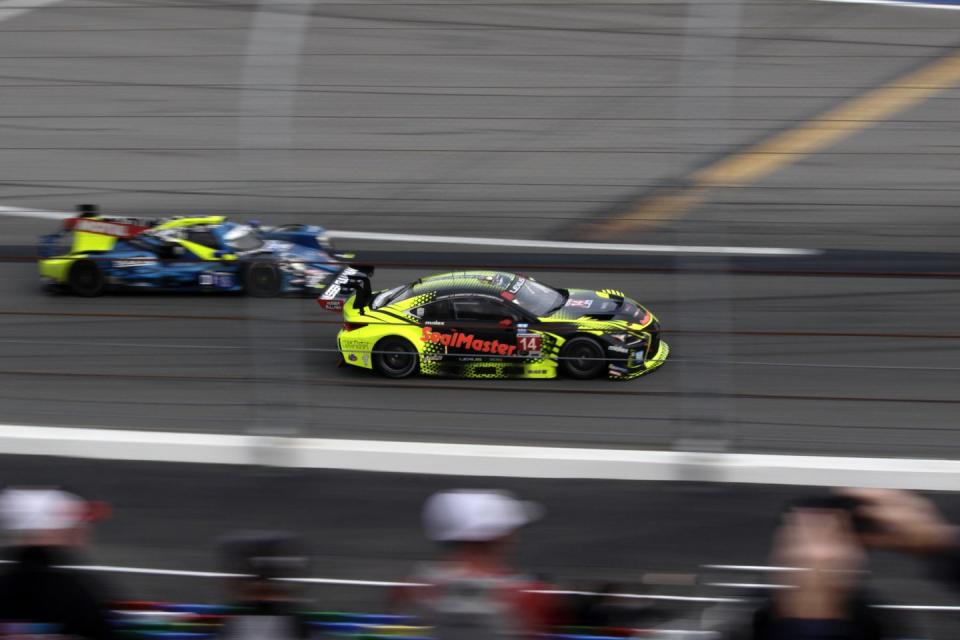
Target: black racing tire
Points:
(86, 279)
(395, 357)
(262, 280)
(582, 358)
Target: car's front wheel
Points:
(86, 279)
(395, 358)
(262, 280)
(582, 358)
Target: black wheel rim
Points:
(262, 279)
(397, 358)
(583, 358)
(86, 278)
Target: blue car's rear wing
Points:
(345, 283)
(91, 231)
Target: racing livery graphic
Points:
(94, 254)
(492, 324)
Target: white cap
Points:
(466, 515)
(43, 510)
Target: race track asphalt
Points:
(835, 365)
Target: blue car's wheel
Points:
(262, 280)
(395, 358)
(86, 279)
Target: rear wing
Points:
(345, 283)
(108, 226)
(90, 220)
(89, 230)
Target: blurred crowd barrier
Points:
(814, 587)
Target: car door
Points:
(484, 330)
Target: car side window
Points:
(483, 310)
(438, 311)
(205, 238)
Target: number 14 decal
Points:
(529, 343)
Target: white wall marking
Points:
(22, 212)
(901, 3)
(10, 9)
(479, 459)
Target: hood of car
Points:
(583, 302)
(599, 305)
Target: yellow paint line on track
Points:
(783, 149)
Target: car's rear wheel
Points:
(395, 358)
(86, 279)
(262, 280)
(582, 358)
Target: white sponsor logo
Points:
(341, 280)
(133, 262)
(104, 228)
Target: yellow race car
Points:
(492, 324)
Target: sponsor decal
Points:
(579, 304)
(614, 369)
(617, 349)
(350, 345)
(333, 305)
(352, 357)
(529, 343)
(133, 262)
(104, 228)
(334, 289)
(467, 341)
(517, 285)
(215, 279)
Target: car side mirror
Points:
(506, 323)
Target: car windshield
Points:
(243, 238)
(537, 298)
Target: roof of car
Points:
(491, 282)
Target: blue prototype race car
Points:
(94, 254)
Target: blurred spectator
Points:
(267, 605)
(472, 593)
(820, 593)
(46, 528)
(907, 522)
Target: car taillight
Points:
(350, 326)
